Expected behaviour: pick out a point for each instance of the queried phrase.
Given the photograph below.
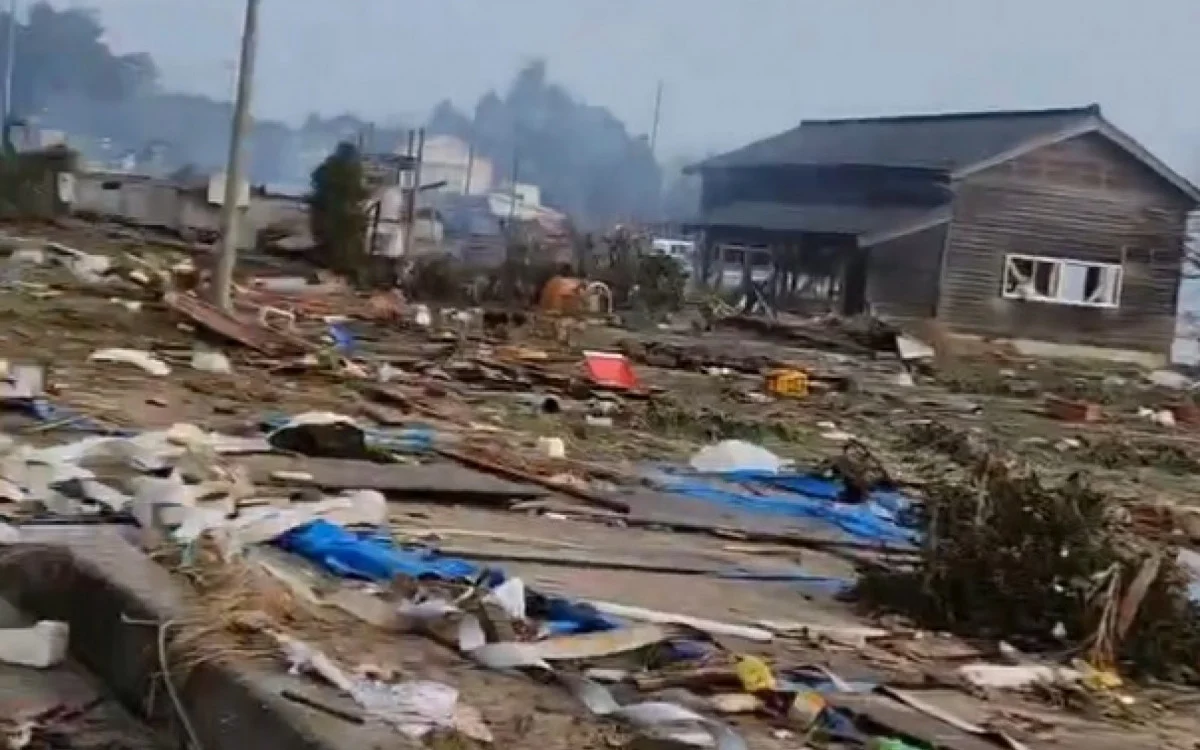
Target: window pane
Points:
(1044, 278)
(1094, 288)
(1016, 274)
(1074, 282)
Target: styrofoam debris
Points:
(40, 646)
(211, 360)
(736, 455)
(143, 359)
(552, 447)
(1008, 676)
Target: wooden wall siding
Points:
(1103, 208)
(1088, 162)
(902, 275)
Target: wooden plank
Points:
(425, 481)
(509, 472)
(579, 560)
(890, 718)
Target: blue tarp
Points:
(805, 497)
(373, 556)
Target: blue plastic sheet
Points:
(372, 556)
(805, 497)
(46, 411)
(343, 338)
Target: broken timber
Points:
(509, 472)
(396, 480)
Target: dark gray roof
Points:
(822, 219)
(945, 141)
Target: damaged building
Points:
(1033, 226)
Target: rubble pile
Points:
(1115, 452)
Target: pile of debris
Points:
(1115, 452)
(1046, 568)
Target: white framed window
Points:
(1061, 281)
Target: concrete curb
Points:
(92, 578)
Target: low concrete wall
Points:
(93, 579)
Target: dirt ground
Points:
(55, 322)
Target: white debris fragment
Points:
(552, 447)
(9, 534)
(211, 360)
(1170, 379)
(143, 359)
(736, 455)
(838, 436)
(40, 646)
(414, 708)
(910, 349)
(1164, 418)
(28, 256)
(1011, 677)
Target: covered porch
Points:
(803, 259)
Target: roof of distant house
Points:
(951, 142)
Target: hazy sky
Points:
(733, 70)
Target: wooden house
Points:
(1050, 225)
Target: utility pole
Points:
(234, 168)
(10, 63)
(658, 94)
(470, 166)
(410, 208)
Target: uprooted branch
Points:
(1047, 567)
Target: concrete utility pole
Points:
(658, 96)
(234, 168)
(10, 63)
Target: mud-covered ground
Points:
(995, 398)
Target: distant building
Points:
(450, 160)
(186, 207)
